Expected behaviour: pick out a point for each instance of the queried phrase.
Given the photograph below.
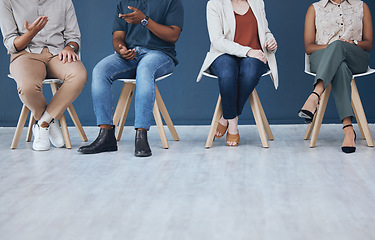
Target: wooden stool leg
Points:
(309, 130)
(65, 132)
(64, 125)
(356, 114)
(319, 116)
(120, 108)
(21, 123)
(77, 123)
(361, 117)
(30, 128)
(358, 122)
(264, 117)
(215, 121)
(160, 126)
(128, 99)
(165, 114)
(258, 119)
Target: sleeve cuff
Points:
(10, 45)
(246, 50)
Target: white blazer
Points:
(222, 28)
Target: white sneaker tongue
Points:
(44, 125)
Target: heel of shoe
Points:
(349, 149)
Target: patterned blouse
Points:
(338, 20)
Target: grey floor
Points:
(288, 191)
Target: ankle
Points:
(46, 118)
(233, 125)
(223, 121)
(348, 130)
(105, 126)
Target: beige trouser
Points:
(30, 69)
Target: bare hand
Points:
(258, 54)
(133, 18)
(68, 55)
(127, 54)
(341, 39)
(271, 45)
(37, 25)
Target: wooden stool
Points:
(123, 106)
(314, 128)
(258, 112)
(55, 85)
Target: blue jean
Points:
(237, 79)
(145, 68)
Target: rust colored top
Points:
(247, 30)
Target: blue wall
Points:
(189, 102)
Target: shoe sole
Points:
(307, 118)
(39, 150)
(114, 149)
(143, 155)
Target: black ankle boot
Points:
(142, 149)
(105, 142)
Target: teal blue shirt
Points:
(165, 12)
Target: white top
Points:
(62, 26)
(338, 20)
(221, 25)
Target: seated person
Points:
(43, 38)
(144, 37)
(338, 38)
(238, 57)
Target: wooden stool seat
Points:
(55, 85)
(258, 112)
(123, 105)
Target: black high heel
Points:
(349, 149)
(307, 115)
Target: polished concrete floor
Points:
(288, 191)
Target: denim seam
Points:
(119, 72)
(160, 66)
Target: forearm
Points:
(312, 47)
(116, 44)
(365, 45)
(22, 41)
(166, 33)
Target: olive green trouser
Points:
(336, 65)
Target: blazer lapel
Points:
(229, 16)
(258, 15)
(254, 8)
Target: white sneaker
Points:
(55, 134)
(41, 141)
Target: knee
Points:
(28, 88)
(81, 76)
(145, 80)
(78, 76)
(227, 77)
(145, 74)
(101, 72)
(250, 76)
(336, 45)
(98, 70)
